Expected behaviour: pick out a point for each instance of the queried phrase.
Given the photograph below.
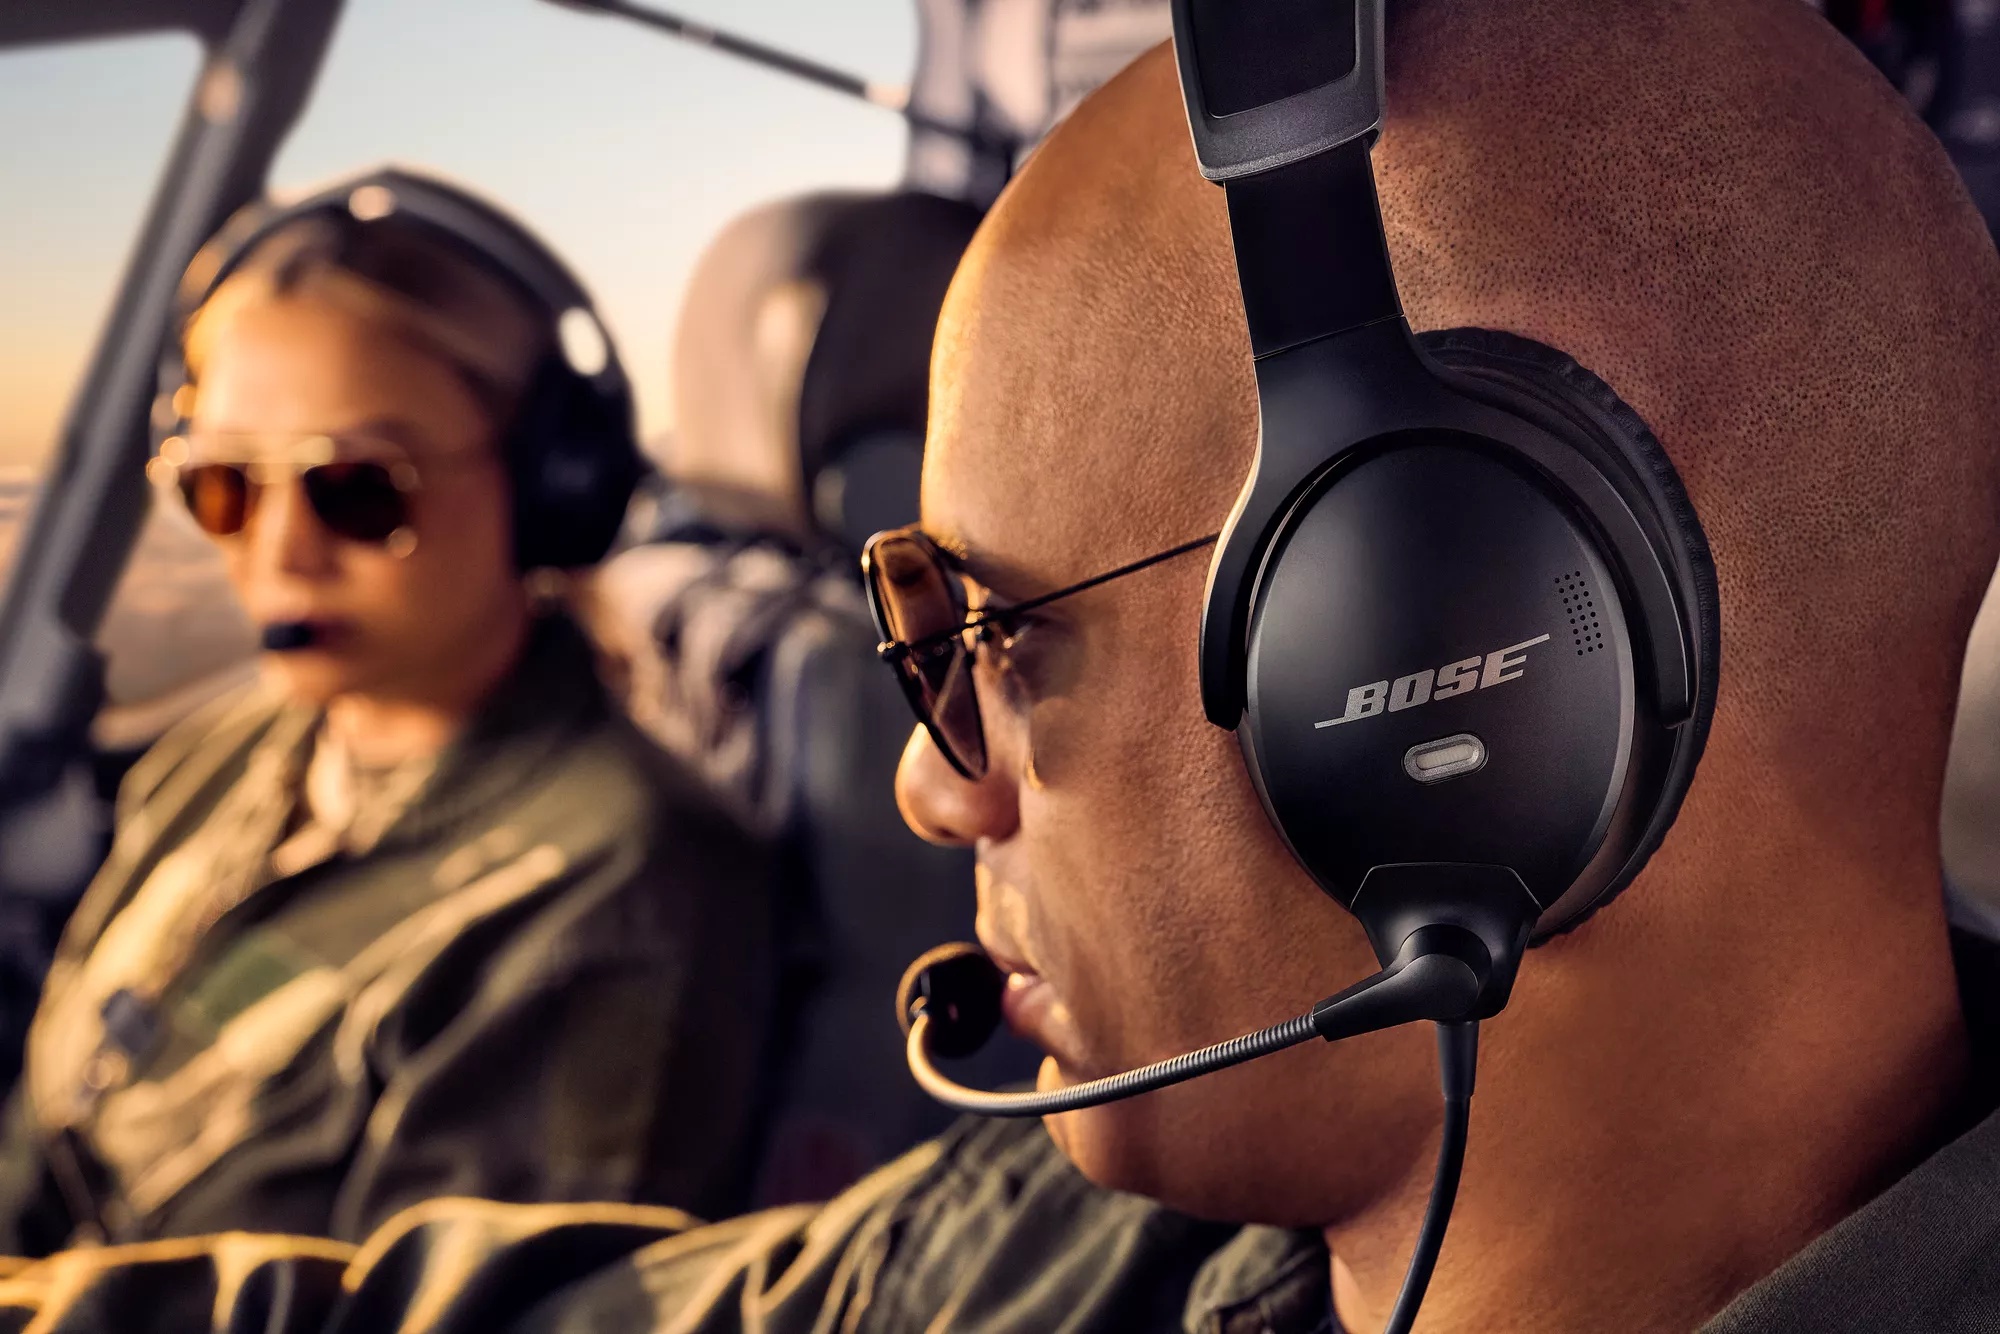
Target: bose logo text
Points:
(1454, 678)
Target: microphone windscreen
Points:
(288, 636)
(960, 989)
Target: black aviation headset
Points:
(1462, 618)
(569, 449)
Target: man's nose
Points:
(944, 806)
(285, 536)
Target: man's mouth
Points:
(1033, 1007)
(1027, 1002)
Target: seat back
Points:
(754, 662)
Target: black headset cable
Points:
(1458, 1061)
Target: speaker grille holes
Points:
(1586, 630)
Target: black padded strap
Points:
(1309, 249)
(1269, 82)
(1251, 53)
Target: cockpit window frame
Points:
(260, 61)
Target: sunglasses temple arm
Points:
(891, 650)
(1092, 582)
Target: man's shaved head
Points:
(1722, 210)
(1679, 197)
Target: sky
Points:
(624, 149)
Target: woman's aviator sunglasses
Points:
(357, 485)
(917, 594)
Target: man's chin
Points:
(1052, 1076)
(1195, 1148)
(1117, 1146)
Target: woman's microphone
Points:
(949, 1005)
(288, 636)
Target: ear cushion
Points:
(1549, 387)
(572, 465)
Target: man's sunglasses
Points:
(358, 486)
(916, 592)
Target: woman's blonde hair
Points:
(402, 274)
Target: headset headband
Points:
(1289, 142)
(495, 242)
(569, 448)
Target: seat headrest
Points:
(806, 328)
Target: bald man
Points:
(1753, 1094)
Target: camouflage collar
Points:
(1264, 1280)
(552, 694)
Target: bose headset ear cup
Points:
(1522, 374)
(1525, 513)
(1555, 377)
(573, 465)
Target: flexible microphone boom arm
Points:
(1439, 974)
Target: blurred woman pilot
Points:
(421, 915)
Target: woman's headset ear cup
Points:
(572, 464)
(570, 446)
(1537, 380)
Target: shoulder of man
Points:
(987, 1228)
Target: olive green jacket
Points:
(987, 1231)
(547, 976)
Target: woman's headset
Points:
(569, 448)
(1463, 619)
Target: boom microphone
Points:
(957, 990)
(288, 636)
(949, 1004)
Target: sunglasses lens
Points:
(357, 501)
(218, 496)
(916, 599)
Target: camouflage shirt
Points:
(301, 995)
(987, 1231)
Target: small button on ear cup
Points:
(1447, 757)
